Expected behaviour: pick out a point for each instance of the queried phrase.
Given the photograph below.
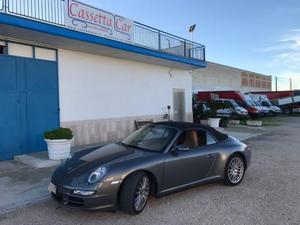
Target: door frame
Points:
(24, 59)
(179, 90)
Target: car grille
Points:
(72, 201)
(64, 195)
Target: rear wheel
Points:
(135, 193)
(235, 170)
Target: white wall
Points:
(219, 77)
(97, 87)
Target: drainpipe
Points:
(5, 5)
(169, 113)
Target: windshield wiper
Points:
(128, 145)
(135, 146)
(121, 143)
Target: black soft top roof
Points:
(185, 125)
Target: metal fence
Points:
(149, 37)
(146, 37)
(53, 11)
(1, 5)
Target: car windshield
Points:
(249, 103)
(151, 138)
(234, 103)
(267, 103)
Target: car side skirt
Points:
(188, 185)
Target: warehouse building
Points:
(220, 77)
(64, 63)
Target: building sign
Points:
(87, 19)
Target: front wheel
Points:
(135, 193)
(235, 170)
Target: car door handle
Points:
(210, 155)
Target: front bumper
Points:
(248, 154)
(242, 115)
(105, 202)
(254, 115)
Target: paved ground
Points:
(269, 194)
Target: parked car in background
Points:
(288, 101)
(237, 96)
(264, 101)
(158, 159)
(274, 110)
(231, 109)
(265, 111)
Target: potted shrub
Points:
(59, 143)
(254, 123)
(234, 121)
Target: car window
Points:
(187, 140)
(242, 104)
(151, 138)
(234, 103)
(192, 139)
(228, 103)
(210, 140)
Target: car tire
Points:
(135, 193)
(235, 170)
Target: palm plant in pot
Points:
(201, 111)
(59, 143)
(214, 119)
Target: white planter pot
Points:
(59, 149)
(234, 122)
(254, 123)
(214, 122)
(204, 122)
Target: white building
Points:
(217, 77)
(66, 64)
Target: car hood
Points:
(275, 108)
(241, 109)
(76, 170)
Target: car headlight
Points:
(97, 175)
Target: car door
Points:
(187, 166)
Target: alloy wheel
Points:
(142, 193)
(235, 170)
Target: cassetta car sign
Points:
(90, 20)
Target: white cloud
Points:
(289, 42)
(284, 58)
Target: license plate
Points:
(52, 188)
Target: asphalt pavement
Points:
(269, 194)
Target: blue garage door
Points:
(28, 104)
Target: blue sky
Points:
(257, 35)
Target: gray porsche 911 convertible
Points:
(157, 159)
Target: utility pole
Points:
(276, 83)
(191, 45)
(191, 30)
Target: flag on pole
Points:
(192, 28)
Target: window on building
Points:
(2, 47)
(20, 50)
(45, 54)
